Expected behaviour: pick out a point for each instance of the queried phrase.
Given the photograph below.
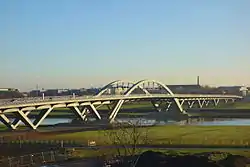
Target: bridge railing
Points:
(66, 98)
(70, 96)
(55, 98)
(35, 159)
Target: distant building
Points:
(51, 92)
(25, 94)
(63, 92)
(6, 93)
(75, 92)
(186, 89)
(8, 89)
(244, 90)
(119, 91)
(234, 90)
(4, 89)
(109, 91)
(198, 80)
(35, 93)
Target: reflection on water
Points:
(50, 121)
(55, 121)
(200, 121)
(239, 122)
(149, 122)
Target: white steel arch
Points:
(159, 83)
(139, 85)
(105, 88)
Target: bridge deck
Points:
(28, 102)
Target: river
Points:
(147, 122)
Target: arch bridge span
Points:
(114, 95)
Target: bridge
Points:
(114, 95)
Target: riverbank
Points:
(163, 134)
(219, 113)
(157, 135)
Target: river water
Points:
(148, 122)
(204, 122)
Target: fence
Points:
(35, 159)
(55, 156)
(168, 141)
(54, 143)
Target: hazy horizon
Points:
(75, 44)
(100, 85)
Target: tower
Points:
(198, 80)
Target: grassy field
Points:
(208, 135)
(162, 135)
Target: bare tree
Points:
(125, 137)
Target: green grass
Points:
(207, 135)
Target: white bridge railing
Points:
(18, 101)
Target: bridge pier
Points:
(115, 110)
(174, 103)
(162, 106)
(80, 112)
(6, 121)
(201, 103)
(173, 109)
(216, 102)
(22, 116)
(190, 103)
(207, 103)
(92, 108)
(111, 108)
(17, 121)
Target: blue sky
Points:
(78, 43)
